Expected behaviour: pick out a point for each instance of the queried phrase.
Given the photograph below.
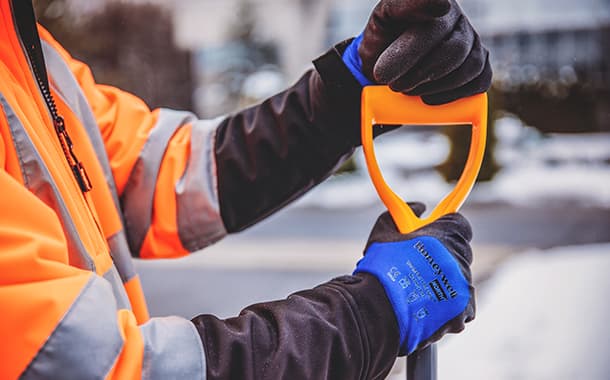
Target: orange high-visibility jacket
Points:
(66, 274)
(68, 289)
(90, 176)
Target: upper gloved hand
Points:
(426, 276)
(421, 47)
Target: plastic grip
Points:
(381, 105)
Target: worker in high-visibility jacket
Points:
(91, 177)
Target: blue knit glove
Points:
(426, 276)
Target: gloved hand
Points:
(421, 47)
(425, 274)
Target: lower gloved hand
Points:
(426, 276)
(421, 47)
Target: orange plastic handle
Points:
(380, 105)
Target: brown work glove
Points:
(426, 48)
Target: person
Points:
(91, 177)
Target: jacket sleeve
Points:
(184, 183)
(270, 154)
(61, 322)
(343, 329)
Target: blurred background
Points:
(540, 212)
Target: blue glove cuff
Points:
(352, 60)
(423, 283)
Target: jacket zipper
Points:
(31, 44)
(78, 170)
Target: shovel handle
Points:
(381, 105)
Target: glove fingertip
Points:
(478, 85)
(392, 63)
(439, 99)
(382, 73)
(458, 328)
(417, 207)
(438, 8)
(417, 10)
(465, 227)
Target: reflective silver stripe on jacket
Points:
(199, 220)
(139, 193)
(119, 251)
(38, 180)
(87, 342)
(120, 294)
(172, 350)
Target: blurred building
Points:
(561, 42)
(541, 37)
(529, 39)
(534, 40)
(299, 30)
(297, 27)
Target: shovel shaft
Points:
(422, 365)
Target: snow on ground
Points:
(535, 168)
(411, 151)
(406, 160)
(543, 315)
(356, 190)
(536, 183)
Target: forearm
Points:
(344, 329)
(270, 154)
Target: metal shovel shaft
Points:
(422, 365)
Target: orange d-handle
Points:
(380, 105)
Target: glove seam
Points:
(333, 71)
(341, 90)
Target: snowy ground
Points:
(536, 170)
(544, 315)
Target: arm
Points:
(63, 322)
(343, 329)
(270, 154)
(291, 142)
(424, 48)
(354, 327)
(184, 183)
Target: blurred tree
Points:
(460, 136)
(555, 107)
(244, 55)
(56, 16)
(243, 32)
(127, 45)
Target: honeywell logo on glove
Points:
(435, 285)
